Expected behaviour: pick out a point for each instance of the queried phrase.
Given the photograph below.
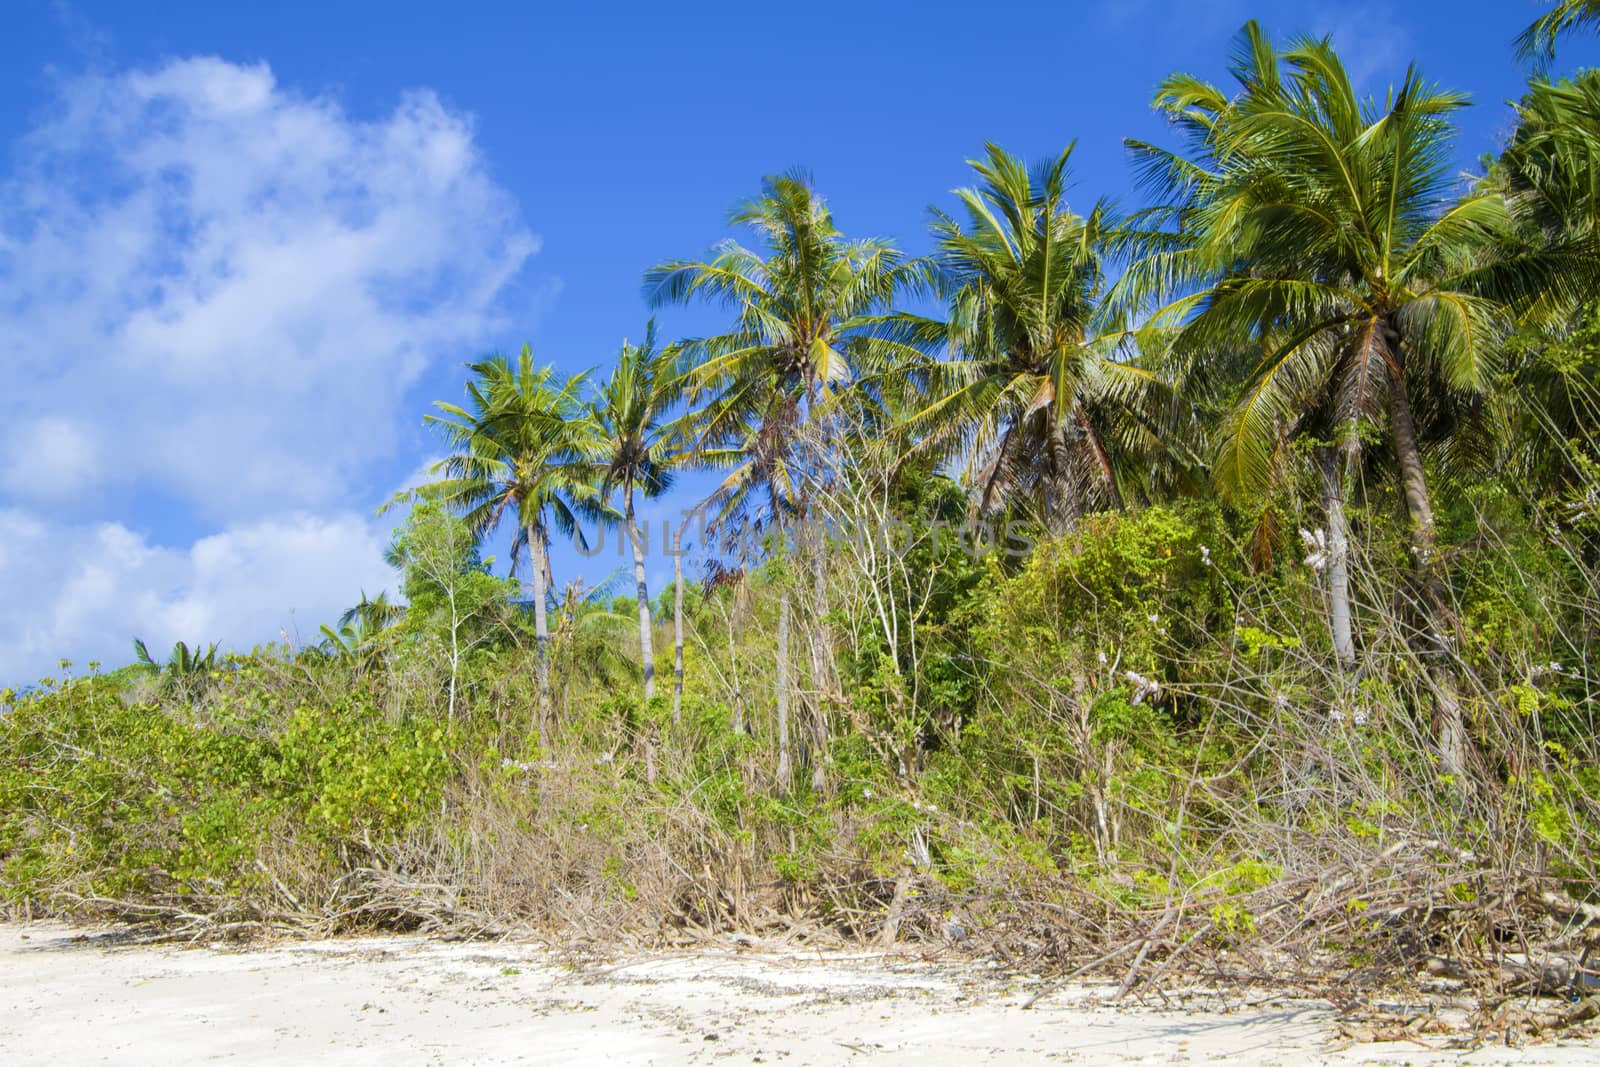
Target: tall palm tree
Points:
(526, 446)
(1037, 385)
(1538, 41)
(1323, 228)
(805, 312)
(631, 416)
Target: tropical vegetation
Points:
(1207, 580)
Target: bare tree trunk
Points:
(785, 768)
(541, 628)
(821, 651)
(1449, 724)
(647, 653)
(813, 544)
(1413, 478)
(1344, 645)
(677, 626)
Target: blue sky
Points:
(242, 247)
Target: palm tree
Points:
(1550, 170)
(1550, 176)
(185, 667)
(1037, 385)
(526, 446)
(374, 614)
(585, 639)
(804, 312)
(358, 630)
(1538, 41)
(630, 413)
(1323, 228)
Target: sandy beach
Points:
(71, 996)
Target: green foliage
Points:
(116, 799)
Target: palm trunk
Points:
(677, 626)
(785, 769)
(1449, 723)
(541, 625)
(1100, 456)
(1344, 645)
(647, 654)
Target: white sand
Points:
(79, 997)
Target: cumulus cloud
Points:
(214, 285)
(215, 292)
(82, 591)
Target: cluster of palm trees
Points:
(1311, 278)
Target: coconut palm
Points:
(631, 415)
(1550, 176)
(1538, 41)
(359, 628)
(373, 614)
(1550, 170)
(186, 668)
(1036, 391)
(1324, 228)
(805, 318)
(524, 446)
(586, 635)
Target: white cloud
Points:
(235, 285)
(214, 293)
(54, 458)
(85, 590)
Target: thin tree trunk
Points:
(677, 626)
(821, 648)
(814, 543)
(541, 627)
(1344, 645)
(1449, 723)
(647, 654)
(1413, 478)
(785, 768)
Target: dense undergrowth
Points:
(1127, 739)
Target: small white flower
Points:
(1359, 716)
(1154, 619)
(1281, 702)
(1205, 555)
(1103, 660)
(866, 794)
